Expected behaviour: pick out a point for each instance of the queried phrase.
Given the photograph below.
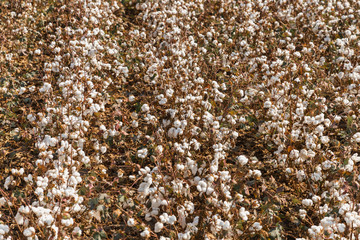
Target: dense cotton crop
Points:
(158, 119)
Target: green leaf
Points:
(93, 203)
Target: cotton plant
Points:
(222, 112)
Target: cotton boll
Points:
(22, 90)
(201, 186)
(267, 104)
(256, 226)
(242, 160)
(77, 231)
(257, 173)
(19, 219)
(103, 149)
(159, 149)
(158, 227)
(131, 222)
(243, 214)
(316, 199)
(302, 213)
(4, 229)
(142, 153)
(145, 108)
(325, 139)
(134, 124)
(24, 209)
(67, 222)
(307, 202)
(163, 101)
(341, 227)
(169, 92)
(171, 219)
(29, 232)
(145, 233)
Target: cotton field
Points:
(179, 119)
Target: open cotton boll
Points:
(103, 149)
(158, 227)
(4, 229)
(201, 186)
(131, 222)
(67, 222)
(142, 153)
(29, 232)
(307, 202)
(145, 108)
(145, 233)
(244, 214)
(77, 231)
(242, 160)
(19, 219)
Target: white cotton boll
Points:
(142, 153)
(169, 92)
(355, 158)
(24, 209)
(67, 222)
(4, 229)
(257, 173)
(307, 202)
(327, 122)
(46, 219)
(45, 88)
(226, 225)
(145, 108)
(131, 98)
(209, 190)
(158, 227)
(37, 52)
(337, 118)
(244, 214)
(8, 181)
(103, 128)
(159, 149)
(19, 219)
(180, 167)
(201, 186)
(76, 208)
(316, 199)
(134, 124)
(341, 227)
(131, 222)
(85, 160)
(103, 149)
(31, 118)
(327, 222)
(325, 139)
(356, 136)
(22, 90)
(302, 213)
(145, 233)
(53, 142)
(29, 232)
(163, 101)
(2, 201)
(32, 88)
(267, 104)
(256, 226)
(77, 231)
(171, 219)
(242, 159)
